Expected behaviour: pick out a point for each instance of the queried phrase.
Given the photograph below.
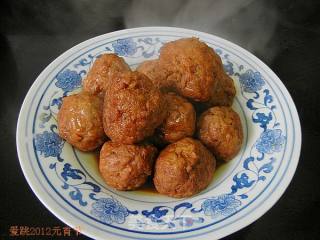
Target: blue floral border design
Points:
(106, 208)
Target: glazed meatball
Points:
(103, 69)
(220, 129)
(80, 121)
(126, 167)
(192, 68)
(184, 168)
(223, 94)
(180, 121)
(153, 70)
(133, 108)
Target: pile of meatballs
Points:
(169, 120)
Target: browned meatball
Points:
(126, 167)
(80, 121)
(223, 93)
(133, 108)
(192, 67)
(184, 168)
(221, 131)
(180, 121)
(103, 69)
(154, 71)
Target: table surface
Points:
(284, 34)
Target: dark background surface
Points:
(34, 33)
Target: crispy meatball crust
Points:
(180, 121)
(183, 168)
(192, 67)
(80, 121)
(220, 129)
(103, 69)
(126, 167)
(154, 71)
(133, 108)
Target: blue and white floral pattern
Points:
(57, 102)
(270, 141)
(49, 144)
(68, 80)
(104, 206)
(125, 47)
(75, 182)
(251, 81)
(222, 205)
(109, 210)
(228, 68)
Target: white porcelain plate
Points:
(68, 183)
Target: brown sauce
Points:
(148, 188)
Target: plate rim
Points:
(284, 183)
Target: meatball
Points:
(192, 68)
(103, 69)
(184, 168)
(223, 93)
(180, 121)
(155, 72)
(220, 129)
(80, 121)
(126, 167)
(133, 108)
